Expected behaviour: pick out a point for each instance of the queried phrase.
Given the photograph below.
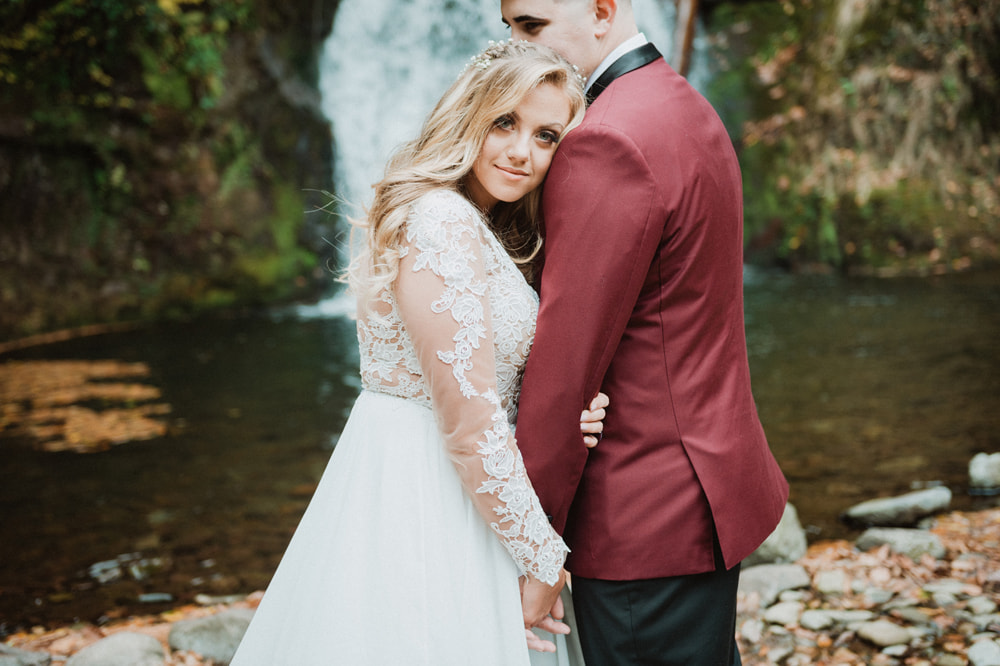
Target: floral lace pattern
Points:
(484, 296)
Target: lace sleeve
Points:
(442, 295)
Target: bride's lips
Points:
(512, 171)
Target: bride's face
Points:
(519, 148)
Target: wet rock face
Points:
(169, 188)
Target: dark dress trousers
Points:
(642, 297)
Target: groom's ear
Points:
(605, 12)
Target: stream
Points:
(865, 387)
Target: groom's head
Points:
(583, 31)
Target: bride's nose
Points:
(518, 149)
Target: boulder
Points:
(984, 474)
(215, 637)
(901, 511)
(984, 653)
(767, 581)
(10, 656)
(787, 543)
(910, 542)
(122, 649)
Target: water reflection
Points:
(864, 388)
(257, 407)
(870, 387)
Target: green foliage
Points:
(168, 86)
(746, 35)
(867, 132)
(237, 150)
(116, 56)
(272, 265)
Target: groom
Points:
(641, 297)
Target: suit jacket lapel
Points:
(632, 60)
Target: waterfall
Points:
(388, 61)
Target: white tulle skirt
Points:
(391, 564)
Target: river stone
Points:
(981, 606)
(10, 656)
(830, 582)
(770, 580)
(848, 617)
(787, 543)
(122, 649)
(945, 586)
(984, 474)
(984, 653)
(950, 660)
(900, 511)
(785, 613)
(913, 615)
(877, 596)
(912, 543)
(896, 650)
(215, 637)
(883, 633)
(822, 618)
(752, 630)
(814, 620)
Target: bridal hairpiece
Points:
(494, 50)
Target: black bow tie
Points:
(632, 60)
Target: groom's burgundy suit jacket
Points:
(642, 297)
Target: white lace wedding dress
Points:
(410, 550)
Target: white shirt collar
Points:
(629, 44)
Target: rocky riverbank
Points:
(841, 605)
(837, 604)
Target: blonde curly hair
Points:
(491, 86)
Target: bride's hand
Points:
(538, 644)
(592, 420)
(543, 611)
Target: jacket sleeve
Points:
(442, 294)
(602, 229)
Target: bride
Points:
(412, 548)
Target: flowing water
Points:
(865, 387)
(379, 81)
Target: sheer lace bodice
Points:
(454, 333)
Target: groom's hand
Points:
(541, 605)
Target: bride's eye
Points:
(504, 123)
(548, 136)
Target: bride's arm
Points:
(442, 294)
